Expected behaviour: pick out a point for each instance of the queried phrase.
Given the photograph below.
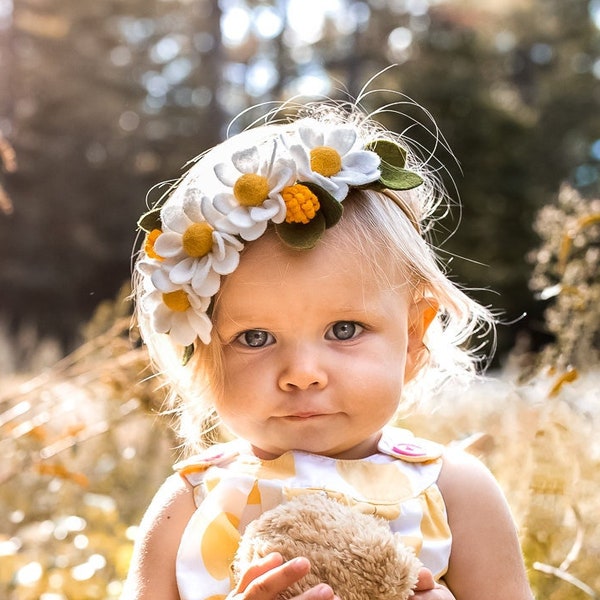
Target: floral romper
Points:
(232, 487)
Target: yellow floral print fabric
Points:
(232, 487)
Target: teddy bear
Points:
(356, 554)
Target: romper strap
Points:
(402, 444)
(194, 467)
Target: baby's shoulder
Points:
(172, 504)
(467, 484)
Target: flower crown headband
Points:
(299, 186)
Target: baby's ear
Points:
(421, 315)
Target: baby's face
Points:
(314, 350)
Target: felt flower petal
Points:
(224, 202)
(192, 207)
(148, 301)
(228, 263)
(254, 232)
(301, 158)
(201, 324)
(270, 210)
(161, 281)
(184, 270)
(362, 161)
(246, 161)
(240, 217)
(311, 134)
(223, 251)
(226, 174)
(162, 318)
(168, 244)
(174, 218)
(147, 266)
(206, 282)
(218, 219)
(341, 192)
(181, 331)
(341, 138)
(284, 173)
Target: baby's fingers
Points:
(264, 565)
(268, 578)
(428, 589)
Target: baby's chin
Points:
(345, 451)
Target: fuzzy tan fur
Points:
(356, 554)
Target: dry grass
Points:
(83, 453)
(544, 451)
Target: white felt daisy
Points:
(332, 157)
(179, 312)
(197, 245)
(255, 197)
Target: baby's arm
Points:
(152, 570)
(486, 560)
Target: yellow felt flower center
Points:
(149, 245)
(251, 189)
(300, 202)
(177, 301)
(325, 160)
(197, 240)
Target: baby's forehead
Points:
(337, 258)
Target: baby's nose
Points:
(302, 371)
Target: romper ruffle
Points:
(232, 487)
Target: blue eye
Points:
(344, 330)
(255, 338)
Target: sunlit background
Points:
(101, 102)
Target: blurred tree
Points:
(99, 104)
(517, 96)
(102, 101)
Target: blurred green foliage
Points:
(103, 101)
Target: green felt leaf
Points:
(331, 209)
(393, 174)
(389, 153)
(150, 220)
(188, 352)
(399, 179)
(300, 236)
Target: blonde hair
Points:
(392, 229)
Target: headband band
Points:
(404, 207)
(297, 181)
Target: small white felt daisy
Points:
(197, 245)
(255, 197)
(332, 157)
(180, 313)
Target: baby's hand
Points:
(428, 589)
(270, 576)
